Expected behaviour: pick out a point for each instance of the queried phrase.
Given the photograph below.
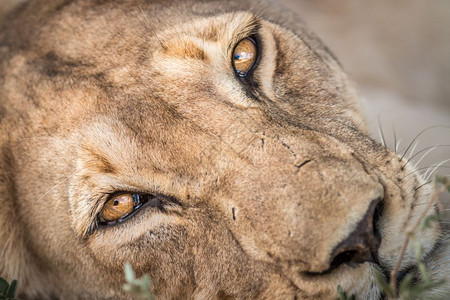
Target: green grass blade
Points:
(11, 292)
(3, 286)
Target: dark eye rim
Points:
(256, 41)
(141, 200)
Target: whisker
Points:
(395, 137)
(56, 185)
(424, 168)
(380, 131)
(143, 13)
(419, 204)
(148, 21)
(430, 149)
(414, 148)
(431, 173)
(423, 156)
(422, 185)
(420, 133)
(397, 145)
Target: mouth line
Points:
(411, 269)
(402, 274)
(332, 269)
(372, 263)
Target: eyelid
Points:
(144, 200)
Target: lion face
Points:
(136, 133)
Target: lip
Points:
(401, 275)
(411, 269)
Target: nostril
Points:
(362, 244)
(376, 220)
(359, 254)
(342, 258)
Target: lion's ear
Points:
(15, 260)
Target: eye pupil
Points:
(117, 208)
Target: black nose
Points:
(363, 243)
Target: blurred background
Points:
(398, 54)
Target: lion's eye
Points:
(118, 207)
(122, 206)
(244, 56)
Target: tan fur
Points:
(271, 172)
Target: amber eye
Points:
(244, 56)
(117, 208)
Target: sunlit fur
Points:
(272, 171)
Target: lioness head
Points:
(217, 147)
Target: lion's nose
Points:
(363, 243)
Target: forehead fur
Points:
(225, 29)
(194, 40)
